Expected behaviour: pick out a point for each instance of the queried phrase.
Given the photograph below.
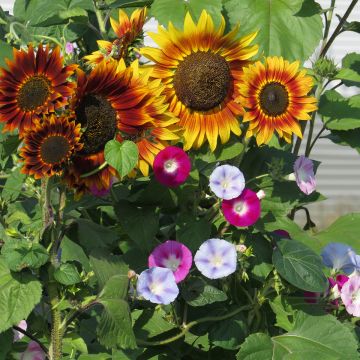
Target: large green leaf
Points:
(230, 333)
(299, 265)
(198, 293)
(288, 28)
(71, 251)
(322, 337)
(340, 113)
(350, 72)
(150, 323)
(21, 254)
(106, 266)
(141, 224)
(67, 274)
(115, 328)
(13, 185)
(121, 156)
(19, 293)
(346, 138)
(345, 229)
(175, 10)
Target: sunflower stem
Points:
(338, 28)
(47, 220)
(95, 171)
(101, 22)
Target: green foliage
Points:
(345, 229)
(282, 25)
(175, 10)
(67, 274)
(5, 52)
(323, 336)
(350, 72)
(21, 254)
(19, 293)
(338, 112)
(141, 224)
(198, 293)
(299, 265)
(122, 156)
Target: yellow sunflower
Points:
(49, 146)
(201, 68)
(35, 84)
(275, 95)
(127, 31)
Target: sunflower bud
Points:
(325, 68)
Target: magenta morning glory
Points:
(33, 352)
(174, 256)
(157, 285)
(216, 258)
(172, 166)
(350, 295)
(227, 182)
(243, 210)
(304, 174)
(340, 256)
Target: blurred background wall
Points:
(339, 174)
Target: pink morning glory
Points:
(157, 285)
(69, 48)
(350, 295)
(216, 258)
(304, 174)
(172, 166)
(17, 334)
(243, 210)
(33, 352)
(227, 182)
(174, 256)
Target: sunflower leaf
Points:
(121, 156)
(288, 28)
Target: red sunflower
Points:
(49, 146)
(34, 84)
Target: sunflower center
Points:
(202, 80)
(274, 99)
(98, 117)
(33, 93)
(54, 149)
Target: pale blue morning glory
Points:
(216, 258)
(340, 256)
(227, 182)
(157, 285)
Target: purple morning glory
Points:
(304, 174)
(157, 285)
(350, 295)
(216, 258)
(340, 256)
(227, 182)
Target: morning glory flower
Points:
(174, 256)
(340, 256)
(33, 352)
(216, 258)
(304, 174)
(227, 182)
(69, 48)
(17, 334)
(244, 210)
(172, 166)
(157, 285)
(350, 295)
